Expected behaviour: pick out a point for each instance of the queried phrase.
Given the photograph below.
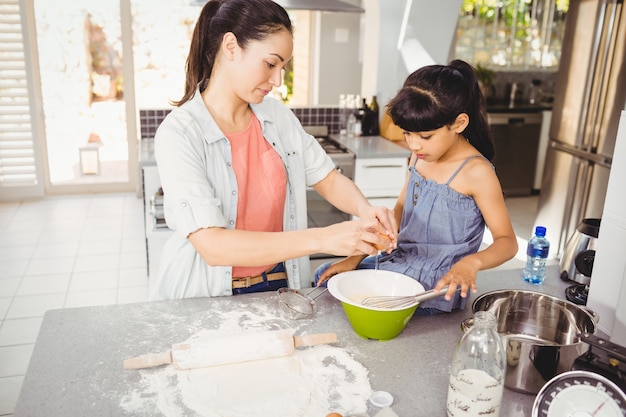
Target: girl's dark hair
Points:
(248, 20)
(433, 96)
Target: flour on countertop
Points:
(310, 383)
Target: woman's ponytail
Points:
(202, 53)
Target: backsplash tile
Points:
(150, 119)
(316, 116)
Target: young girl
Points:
(234, 165)
(451, 190)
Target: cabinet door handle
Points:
(516, 121)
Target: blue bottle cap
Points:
(540, 231)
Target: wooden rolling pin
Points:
(212, 349)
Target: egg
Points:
(334, 415)
(380, 247)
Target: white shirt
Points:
(200, 190)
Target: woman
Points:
(234, 165)
(451, 191)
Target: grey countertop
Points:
(367, 147)
(76, 365)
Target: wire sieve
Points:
(295, 304)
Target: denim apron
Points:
(439, 227)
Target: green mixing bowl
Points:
(370, 322)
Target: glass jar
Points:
(478, 370)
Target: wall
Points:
(433, 24)
(369, 62)
(340, 59)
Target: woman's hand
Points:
(382, 222)
(354, 237)
(347, 264)
(462, 274)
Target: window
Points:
(511, 34)
(18, 164)
(160, 71)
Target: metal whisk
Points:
(399, 301)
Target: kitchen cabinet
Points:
(380, 168)
(381, 179)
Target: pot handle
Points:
(595, 317)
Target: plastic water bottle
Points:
(536, 255)
(478, 370)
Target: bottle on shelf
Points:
(361, 114)
(536, 255)
(534, 92)
(343, 114)
(350, 110)
(362, 111)
(351, 124)
(478, 370)
(374, 105)
(364, 116)
(374, 128)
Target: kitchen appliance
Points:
(156, 210)
(541, 334)
(577, 260)
(320, 212)
(590, 92)
(594, 387)
(516, 137)
(156, 230)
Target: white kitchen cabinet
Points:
(381, 179)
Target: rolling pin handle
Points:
(314, 339)
(148, 361)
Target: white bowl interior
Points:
(353, 286)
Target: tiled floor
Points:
(74, 251)
(63, 252)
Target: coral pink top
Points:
(262, 184)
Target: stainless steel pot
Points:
(541, 334)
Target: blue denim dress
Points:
(439, 227)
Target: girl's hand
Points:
(462, 274)
(347, 264)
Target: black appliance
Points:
(577, 261)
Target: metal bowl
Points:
(541, 334)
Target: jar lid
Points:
(381, 399)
